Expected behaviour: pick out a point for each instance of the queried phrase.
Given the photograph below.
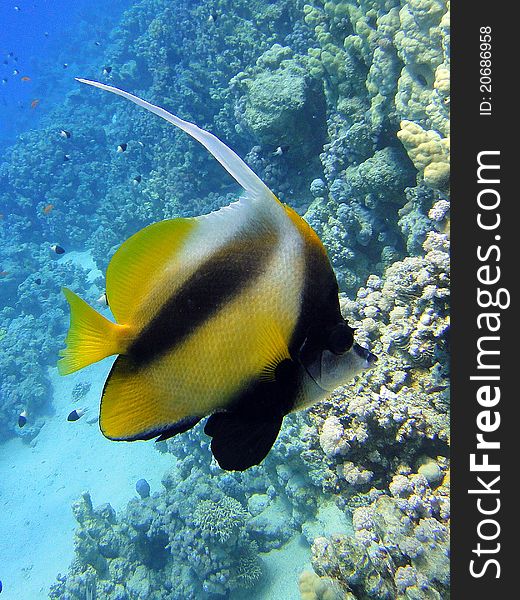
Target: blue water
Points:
(42, 37)
(324, 101)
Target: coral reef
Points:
(195, 532)
(284, 105)
(313, 587)
(428, 152)
(142, 487)
(342, 107)
(399, 549)
(386, 440)
(220, 520)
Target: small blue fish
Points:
(76, 414)
(22, 420)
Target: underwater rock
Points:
(286, 106)
(142, 487)
(313, 587)
(332, 437)
(431, 471)
(258, 503)
(80, 390)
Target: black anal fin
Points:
(241, 440)
(179, 427)
(244, 434)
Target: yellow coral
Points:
(429, 153)
(442, 80)
(313, 587)
(307, 583)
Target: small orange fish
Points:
(47, 209)
(4, 273)
(35, 103)
(25, 78)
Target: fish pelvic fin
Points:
(240, 441)
(229, 159)
(91, 336)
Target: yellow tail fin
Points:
(91, 336)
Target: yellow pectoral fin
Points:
(91, 336)
(272, 350)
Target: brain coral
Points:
(429, 153)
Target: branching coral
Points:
(220, 519)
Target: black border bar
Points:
(485, 365)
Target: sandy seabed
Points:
(40, 481)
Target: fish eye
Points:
(341, 339)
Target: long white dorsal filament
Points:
(233, 164)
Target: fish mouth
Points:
(369, 358)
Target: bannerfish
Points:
(122, 147)
(76, 414)
(233, 315)
(137, 180)
(107, 70)
(65, 134)
(66, 157)
(16, 72)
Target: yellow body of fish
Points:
(221, 315)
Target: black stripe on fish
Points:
(320, 310)
(215, 282)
